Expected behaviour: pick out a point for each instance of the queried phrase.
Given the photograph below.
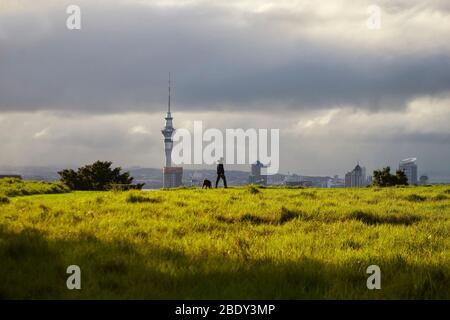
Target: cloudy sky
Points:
(339, 91)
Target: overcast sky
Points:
(338, 91)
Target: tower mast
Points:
(169, 94)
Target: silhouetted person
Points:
(221, 173)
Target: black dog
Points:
(206, 184)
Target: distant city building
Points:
(276, 179)
(255, 174)
(423, 180)
(356, 178)
(363, 171)
(335, 182)
(296, 180)
(308, 184)
(172, 176)
(293, 180)
(315, 181)
(195, 180)
(409, 167)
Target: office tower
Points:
(409, 167)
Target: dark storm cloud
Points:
(119, 62)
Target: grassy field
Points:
(11, 187)
(240, 243)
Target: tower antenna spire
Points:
(172, 176)
(169, 94)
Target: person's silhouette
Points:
(221, 173)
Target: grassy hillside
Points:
(12, 187)
(236, 243)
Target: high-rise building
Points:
(356, 178)
(172, 176)
(409, 167)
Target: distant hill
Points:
(32, 173)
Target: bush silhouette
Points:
(98, 176)
(384, 178)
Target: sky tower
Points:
(168, 132)
(172, 176)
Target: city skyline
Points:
(338, 91)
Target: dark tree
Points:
(98, 176)
(384, 178)
(70, 178)
(401, 178)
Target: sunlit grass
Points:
(259, 243)
(16, 187)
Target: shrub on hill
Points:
(384, 178)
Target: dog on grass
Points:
(206, 184)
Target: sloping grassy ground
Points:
(237, 243)
(11, 187)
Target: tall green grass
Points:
(235, 243)
(13, 187)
